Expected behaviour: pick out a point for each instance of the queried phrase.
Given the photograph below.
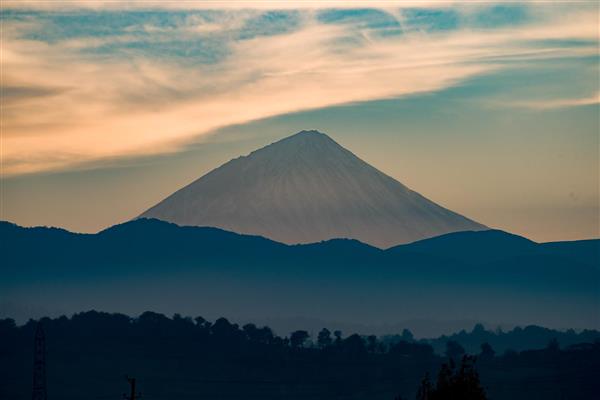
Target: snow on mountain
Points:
(307, 188)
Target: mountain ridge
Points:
(143, 220)
(152, 263)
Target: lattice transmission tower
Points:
(39, 364)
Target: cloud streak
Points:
(73, 101)
(559, 103)
(223, 4)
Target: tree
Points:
(444, 380)
(372, 343)
(487, 352)
(265, 335)
(407, 335)
(454, 350)
(454, 384)
(478, 329)
(180, 323)
(202, 323)
(424, 391)
(251, 332)
(254, 334)
(324, 338)
(338, 337)
(466, 381)
(298, 338)
(354, 345)
(225, 332)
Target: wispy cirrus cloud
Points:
(225, 4)
(87, 86)
(558, 103)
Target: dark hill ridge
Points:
(192, 242)
(203, 243)
(471, 246)
(304, 189)
(487, 276)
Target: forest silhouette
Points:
(182, 357)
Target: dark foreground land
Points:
(89, 355)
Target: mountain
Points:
(307, 188)
(145, 264)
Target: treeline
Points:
(181, 356)
(154, 325)
(517, 339)
(220, 336)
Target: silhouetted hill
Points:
(582, 250)
(471, 246)
(488, 276)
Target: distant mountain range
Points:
(304, 189)
(150, 264)
(182, 255)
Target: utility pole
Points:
(39, 364)
(133, 394)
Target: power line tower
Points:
(133, 394)
(39, 364)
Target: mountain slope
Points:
(471, 246)
(307, 188)
(151, 264)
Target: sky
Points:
(487, 108)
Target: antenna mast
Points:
(39, 364)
